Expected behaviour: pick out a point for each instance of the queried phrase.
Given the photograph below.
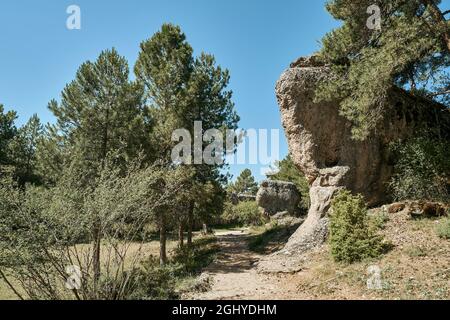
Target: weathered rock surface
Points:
(321, 146)
(278, 196)
(419, 209)
(424, 209)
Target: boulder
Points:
(246, 197)
(396, 207)
(278, 196)
(321, 146)
(427, 209)
(236, 198)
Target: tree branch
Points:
(439, 18)
(440, 93)
(10, 285)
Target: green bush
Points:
(199, 256)
(155, 282)
(422, 169)
(443, 229)
(246, 213)
(379, 220)
(352, 235)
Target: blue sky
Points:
(256, 40)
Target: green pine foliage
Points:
(422, 170)
(245, 213)
(244, 184)
(101, 112)
(23, 151)
(7, 132)
(352, 236)
(411, 51)
(288, 172)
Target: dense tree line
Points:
(103, 170)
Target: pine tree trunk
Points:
(190, 225)
(162, 241)
(96, 252)
(181, 235)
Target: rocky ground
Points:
(418, 267)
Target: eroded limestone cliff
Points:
(322, 147)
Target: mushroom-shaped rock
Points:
(322, 147)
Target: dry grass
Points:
(418, 267)
(141, 251)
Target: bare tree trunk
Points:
(190, 225)
(10, 285)
(97, 224)
(181, 235)
(96, 252)
(162, 241)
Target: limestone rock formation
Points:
(321, 146)
(278, 196)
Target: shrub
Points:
(246, 213)
(41, 230)
(155, 282)
(198, 256)
(443, 229)
(352, 236)
(379, 220)
(422, 169)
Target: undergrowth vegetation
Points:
(443, 229)
(271, 237)
(352, 235)
(156, 282)
(422, 170)
(245, 213)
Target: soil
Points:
(234, 274)
(417, 267)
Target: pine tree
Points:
(23, 150)
(211, 103)
(163, 67)
(181, 90)
(289, 172)
(100, 115)
(411, 51)
(8, 131)
(245, 183)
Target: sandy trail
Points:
(234, 274)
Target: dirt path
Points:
(234, 274)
